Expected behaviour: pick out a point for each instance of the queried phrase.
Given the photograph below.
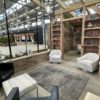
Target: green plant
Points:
(67, 15)
(4, 39)
(7, 57)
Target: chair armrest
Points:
(54, 93)
(13, 95)
(81, 58)
(0, 81)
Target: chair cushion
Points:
(24, 82)
(55, 56)
(85, 61)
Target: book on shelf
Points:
(56, 32)
(92, 33)
(91, 49)
(91, 41)
(56, 41)
(56, 46)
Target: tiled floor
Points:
(69, 63)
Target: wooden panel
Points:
(29, 61)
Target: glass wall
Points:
(23, 29)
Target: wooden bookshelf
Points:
(94, 28)
(91, 36)
(56, 35)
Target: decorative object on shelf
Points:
(79, 48)
(89, 25)
(92, 17)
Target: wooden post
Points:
(62, 35)
(83, 26)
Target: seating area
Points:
(14, 95)
(24, 82)
(15, 88)
(49, 49)
(25, 86)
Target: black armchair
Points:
(6, 71)
(14, 95)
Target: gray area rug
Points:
(70, 84)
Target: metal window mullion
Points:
(43, 23)
(37, 31)
(7, 28)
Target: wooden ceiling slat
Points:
(78, 6)
(61, 3)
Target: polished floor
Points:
(69, 64)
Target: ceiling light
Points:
(39, 13)
(70, 2)
(37, 7)
(18, 20)
(92, 11)
(58, 19)
(48, 9)
(66, 3)
(28, 17)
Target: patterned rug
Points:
(70, 84)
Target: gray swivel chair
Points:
(14, 95)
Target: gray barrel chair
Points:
(14, 95)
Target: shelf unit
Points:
(91, 36)
(56, 35)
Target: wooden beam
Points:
(71, 19)
(82, 1)
(37, 2)
(96, 9)
(61, 3)
(58, 1)
(78, 6)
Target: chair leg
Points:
(3, 92)
(37, 92)
(14, 75)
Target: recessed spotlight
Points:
(39, 13)
(70, 2)
(28, 17)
